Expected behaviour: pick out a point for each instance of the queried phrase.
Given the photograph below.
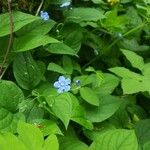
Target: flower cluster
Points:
(63, 84)
(44, 15)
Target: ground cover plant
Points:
(74, 75)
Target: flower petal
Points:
(60, 90)
(67, 88)
(61, 79)
(68, 81)
(57, 85)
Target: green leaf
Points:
(80, 15)
(131, 86)
(38, 27)
(61, 48)
(109, 105)
(67, 64)
(26, 71)
(142, 130)
(79, 116)
(9, 141)
(116, 140)
(146, 70)
(19, 19)
(56, 68)
(62, 108)
(10, 98)
(89, 96)
(51, 143)
(147, 146)
(135, 60)
(69, 143)
(126, 73)
(108, 84)
(31, 136)
(28, 42)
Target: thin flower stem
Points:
(10, 38)
(39, 8)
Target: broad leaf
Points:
(19, 19)
(135, 60)
(62, 108)
(116, 140)
(9, 141)
(51, 143)
(89, 96)
(69, 143)
(31, 136)
(26, 71)
(28, 42)
(61, 48)
(108, 106)
(80, 15)
(10, 98)
(56, 68)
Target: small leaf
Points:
(135, 60)
(56, 68)
(89, 96)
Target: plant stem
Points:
(39, 8)
(114, 42)
(10, 38)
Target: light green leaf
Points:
(31, 136)
(9, 141)
(69, 143)
(146, 70)
(51, 143)
(61, 48)
(19, 19)
(126, 73)
(108, 106)
(131, 86)
(89, 96)
(147, 146)
(26, 71)
(10, 98)
(116, 140)
(80, 15)
(62, 108)
(28, 42)
(79, 116)
(135, 60)
(56, 68)
(108, 84)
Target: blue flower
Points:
(65, 4)
(44, 16)
(62, 85)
